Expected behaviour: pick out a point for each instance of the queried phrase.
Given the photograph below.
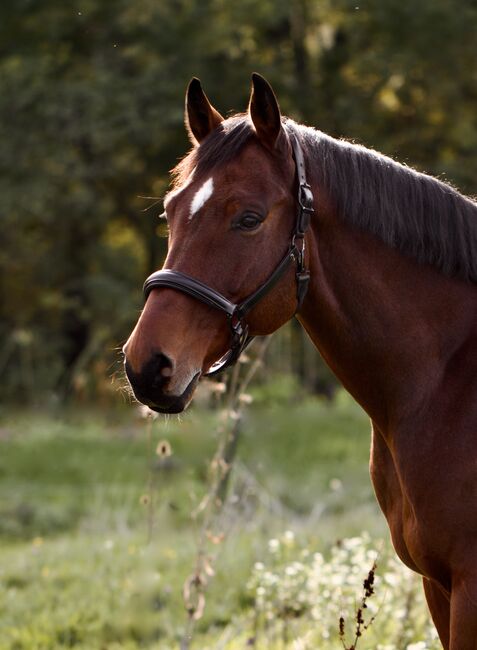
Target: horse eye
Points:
(249, 222)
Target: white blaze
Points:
(202, 195)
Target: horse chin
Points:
(173, 404)
(173, 409)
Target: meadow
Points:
(98, 539)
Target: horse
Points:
(269, 219)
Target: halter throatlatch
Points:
(236, 313)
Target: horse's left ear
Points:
(265, 112)
(200, 116)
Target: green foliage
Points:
(89, 564)
(91, 99)
(301, 594)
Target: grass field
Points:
(97, 537)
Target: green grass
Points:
(78, 568)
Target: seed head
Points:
(163, 449)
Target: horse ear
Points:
(200, 116)
(265, 112)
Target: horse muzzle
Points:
(157, 387)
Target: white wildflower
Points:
(273, 545)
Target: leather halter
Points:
(236, 312)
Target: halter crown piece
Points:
(236, 312)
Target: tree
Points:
(91, 119)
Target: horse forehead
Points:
(223, 188)
(254, 171)
(250, 174)
(253, 159)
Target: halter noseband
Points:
(236, 312)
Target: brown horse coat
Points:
(392, 307)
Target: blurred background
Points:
(91, 106)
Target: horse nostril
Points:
(162, 369)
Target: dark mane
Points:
(414, 213)
(417, 214)
(220, 147)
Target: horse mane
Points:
(417, 214)
(220, 147)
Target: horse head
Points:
(230, 215)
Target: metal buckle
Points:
(298, 253)
(305, 198)
(305, 201)
(301, 255)
(240, 340)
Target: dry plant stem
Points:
(212, 505)
(150, 482)
(235, 411)
(232, 392)
(361, 625)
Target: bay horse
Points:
(269, 219)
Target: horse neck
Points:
(385, 325)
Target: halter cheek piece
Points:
(236, 312)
